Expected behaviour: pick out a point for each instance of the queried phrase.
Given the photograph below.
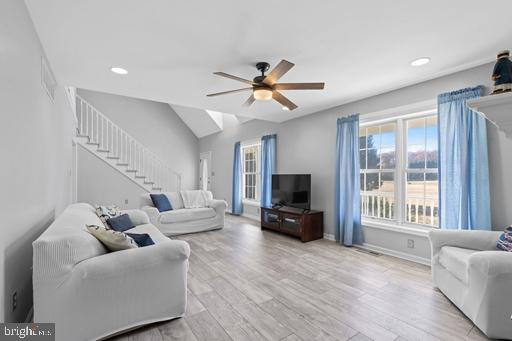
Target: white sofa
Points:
(186, 217)
(90, 293)
(477, 277)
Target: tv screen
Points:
(293, 190)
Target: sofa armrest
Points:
(491, 263)
(120, 263)
(152, 212)
(219, 206)
(475, 240)
(138, 217)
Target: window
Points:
(377, 161)
(399, 180)
(251, 171)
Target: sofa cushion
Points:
(106, 212)
(175, 199)
(455, 260)
(120, 223)
(186, 214)
(142, 239)
(161, 202)
(151, 230)
(505, 240)
(113, 240)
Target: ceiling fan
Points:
(265, 87)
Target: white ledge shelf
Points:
(497, 109)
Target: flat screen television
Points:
(292, 190)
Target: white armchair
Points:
(477, 277)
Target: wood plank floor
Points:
(245, 284)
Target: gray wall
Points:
(35, 144)
(307, 145)
(157, 127)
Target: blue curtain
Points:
(268, 167)
(236, 195)
(464, 199)
(347, 218)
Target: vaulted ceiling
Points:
(171, 48)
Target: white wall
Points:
(35, 145)
(157, 127)
(100, 184)
(307, 145)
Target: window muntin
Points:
(399, 179)
(251, 172)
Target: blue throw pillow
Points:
(161, 202)
(120, 223)
(142, 239)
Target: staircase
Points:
(109, 142)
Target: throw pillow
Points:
(505, 240)
(142, 239)
(120, 223)
(161, 202)
(107, 212)
(113, 240)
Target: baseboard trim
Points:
(252, 217)
(248, 216)
(394, 253)
(329, 236)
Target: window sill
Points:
(394, 227)
(251, 202)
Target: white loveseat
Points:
(188, 215)
(90, 293)
(477, 277)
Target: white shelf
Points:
(497, 109)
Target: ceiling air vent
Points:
(48, 79)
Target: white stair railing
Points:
(120, 146)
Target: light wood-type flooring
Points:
(248, 284)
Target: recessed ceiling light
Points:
(420, 61)
(286, 108)
(119, 70)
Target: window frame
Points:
(401, 170)
(244, 147)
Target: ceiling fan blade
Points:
(285, 102)
(249, 101)
(227, 75)
(283, 67)
(299, 86)
(228, 92)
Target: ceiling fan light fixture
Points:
(262, 94)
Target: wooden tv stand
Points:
(307, 225)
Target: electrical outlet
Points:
(14, 301)
(126, 201)
(410, 243)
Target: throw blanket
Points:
(196, 199)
